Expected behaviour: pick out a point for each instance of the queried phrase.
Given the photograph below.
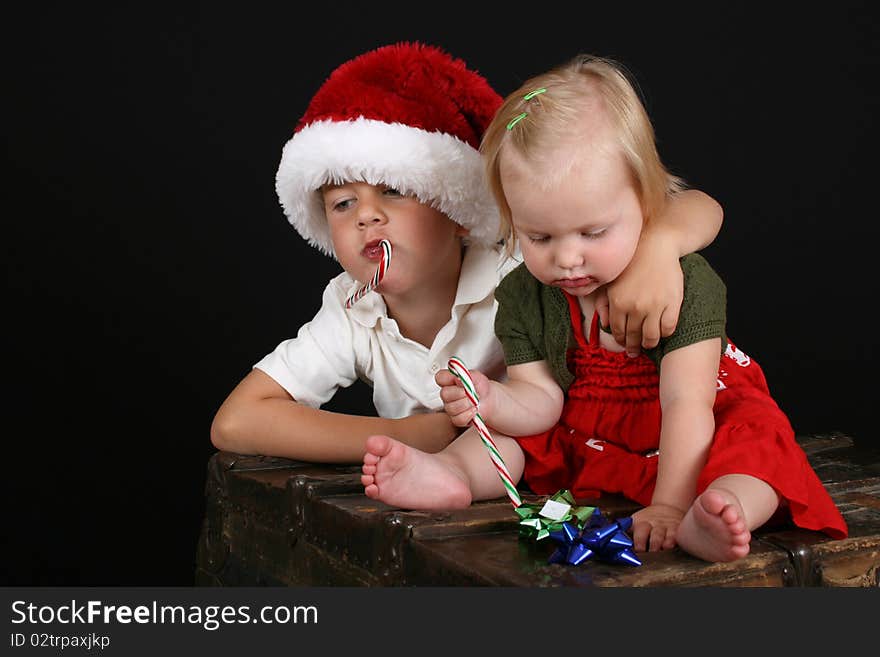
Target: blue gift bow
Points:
(605, 541)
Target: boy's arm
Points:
(260, 417)
(687, 395)
(644, 301)
(529, 402)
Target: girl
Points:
(688, 429)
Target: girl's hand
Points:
(654, 527)
(455, 402)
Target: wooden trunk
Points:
(277, 522)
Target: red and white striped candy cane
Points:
(458, 369)
(384, 261)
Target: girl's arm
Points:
(688, 379)
(529, 402)
(260, 417)
(644, 301)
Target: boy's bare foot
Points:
(714, 528)
(406, 477)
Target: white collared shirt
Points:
(339, 346)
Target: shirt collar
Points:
(369, 309)
(480, 274)
(481, 270)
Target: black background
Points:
(149, 265)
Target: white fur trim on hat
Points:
(439, 169)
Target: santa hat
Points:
(405, 115)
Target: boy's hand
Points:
(643, 303)
(455, 402)
(654, 527)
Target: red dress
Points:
(607, 437)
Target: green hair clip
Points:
(516, 119)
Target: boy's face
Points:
(425, 242)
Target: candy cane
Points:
(459, 370)
(384, 261)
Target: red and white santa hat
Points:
(406, 115)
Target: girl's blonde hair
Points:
(536, 124)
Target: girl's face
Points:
(581, 232)
(425, 242)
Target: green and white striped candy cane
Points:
(458, 369)
(384, 261)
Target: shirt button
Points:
(434, 368)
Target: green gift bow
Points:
(533, 524)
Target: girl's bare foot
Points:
(714, 528)
(406, 477)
